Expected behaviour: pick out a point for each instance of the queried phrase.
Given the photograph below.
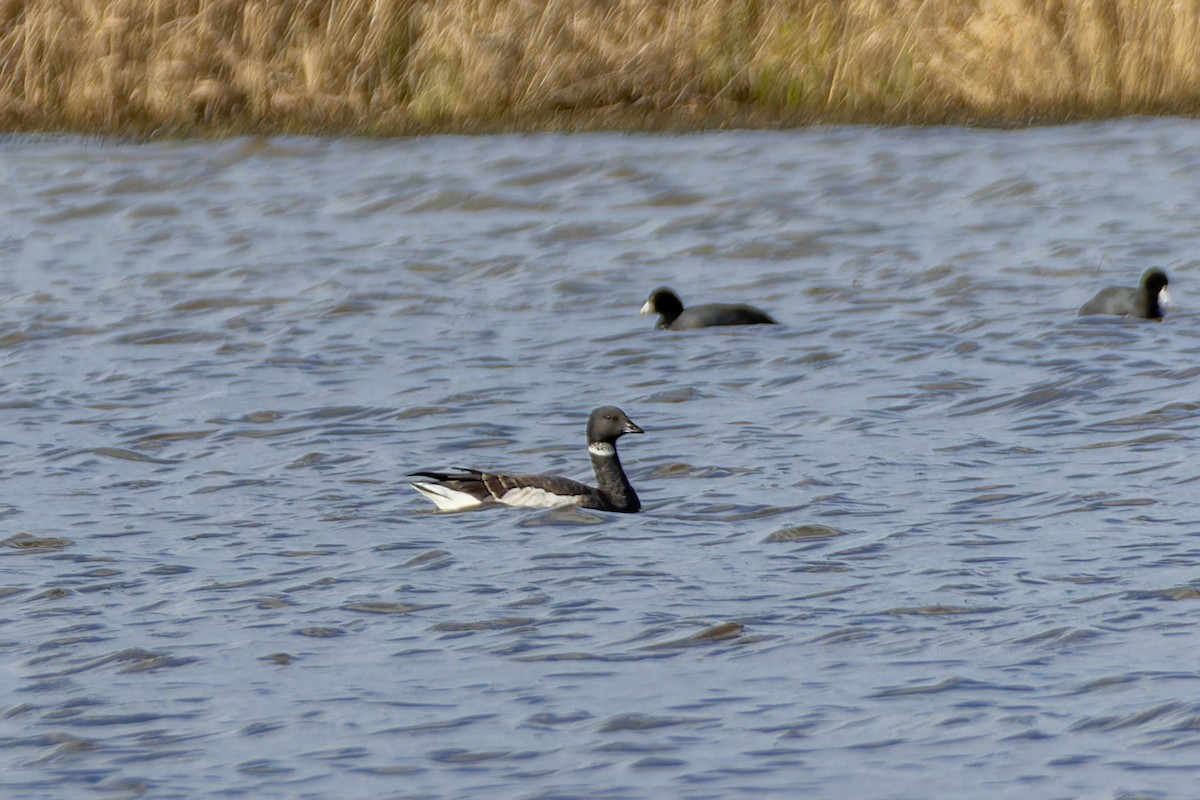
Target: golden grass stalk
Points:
(404, 66)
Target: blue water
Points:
(933, 536)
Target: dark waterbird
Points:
(674, 317)
(1149, 300)
(471, 488)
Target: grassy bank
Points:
(409, 66)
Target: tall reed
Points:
(403, 66)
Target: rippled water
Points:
(932, 536)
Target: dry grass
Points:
(402, 66)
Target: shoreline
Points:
(215, 68)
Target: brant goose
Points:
(470, 488)
(1148, 300)
(674, 317)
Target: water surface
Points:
(934, 536)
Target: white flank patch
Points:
(531, 497)
(601, 449)
(646, 309)
(447, 499)
(1164, 298)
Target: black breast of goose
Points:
(472, 488)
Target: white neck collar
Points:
(601, 449)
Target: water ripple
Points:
(933, 517)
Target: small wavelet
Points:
(931, 517)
